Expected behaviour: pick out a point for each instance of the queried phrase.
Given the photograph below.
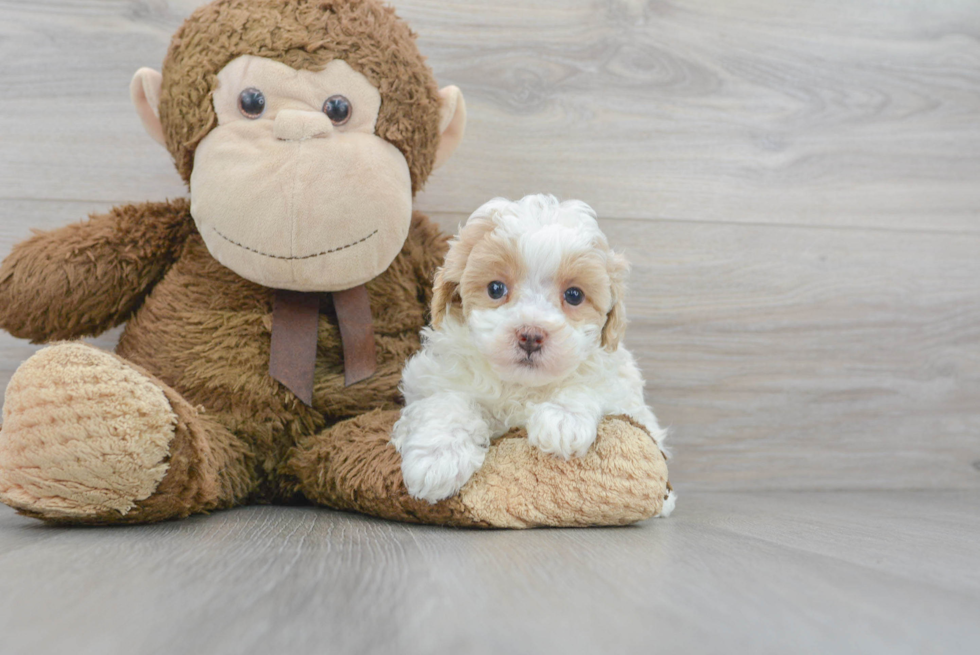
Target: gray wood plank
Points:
(713, 578)
(830, 113)
(926, 537)
(782, 357)
(67, 128)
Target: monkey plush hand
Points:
(268, 317)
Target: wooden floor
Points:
(789, 572)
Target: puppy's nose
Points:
(530, 339)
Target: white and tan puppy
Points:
(527, 319)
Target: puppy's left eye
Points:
(496, 289)
(574, 296)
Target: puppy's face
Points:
(538, 287)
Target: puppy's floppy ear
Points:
(615, 327)
(445, 297)
(445, 292)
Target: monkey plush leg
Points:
(621, 480)
(89, 438)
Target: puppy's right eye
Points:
(574, 296)
(251, 102)
(496, 289)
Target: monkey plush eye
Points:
(251, 102)
(574, 296)
(497, 289)
(338, 109)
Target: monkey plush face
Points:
(293, 189)
(302, 156)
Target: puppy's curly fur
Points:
(528, 316)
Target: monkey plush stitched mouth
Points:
(301, 180)
(293, 189)
(304, 128)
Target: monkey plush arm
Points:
(85, 278)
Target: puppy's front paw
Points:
(559, 431)
(437, 472)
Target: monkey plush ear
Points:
(452, 123)
(145, 92)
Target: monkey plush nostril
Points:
(298, 125)
(531, 340)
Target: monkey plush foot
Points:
(84, 434)
(621, 480)
(89, 438)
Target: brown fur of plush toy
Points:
(365, 34)
(203, 336)
(185, 417)
(623, 479)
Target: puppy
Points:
(527, 319)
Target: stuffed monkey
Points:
(267, 317)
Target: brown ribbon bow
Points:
(295, 316)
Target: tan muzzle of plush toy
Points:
(293, 189)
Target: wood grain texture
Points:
(796, 185)
(817, 113)
(762, 573)
(829, 113)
